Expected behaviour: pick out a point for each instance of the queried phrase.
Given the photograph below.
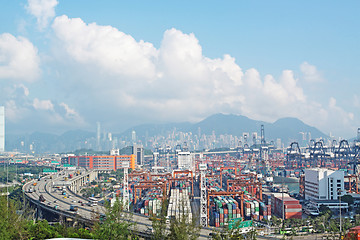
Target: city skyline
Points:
(65, 66)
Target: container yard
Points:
(179, 205)
(251, 184)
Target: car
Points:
(79, 201)
(74, 201)
(55, 201)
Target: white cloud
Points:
(18, 59)
(310, 73)
(71, 113)
(176, 82)
(43, 104)
(340, 118)
(43, 10)
(13, 112)
(25, 111)
(105, 47)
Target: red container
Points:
(297, 215)
(292, 206)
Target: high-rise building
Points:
(133, 136)
(98, 135)
(278, 143)
(185, 160)
(323, 184)
(2, 129)
(138, 151)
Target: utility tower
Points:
(203, 197)
(264, 151)
(156, 156)
(168, 161)
(126, 199)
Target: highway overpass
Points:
(57, 204)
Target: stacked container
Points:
(223, 210)
(179, 205)
(292, 207)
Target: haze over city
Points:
(67, 65)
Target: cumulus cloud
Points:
(310, 73)
(176, 82)
(71, 113)
(43, 104)
(106, 48)
(18, 58)
(40, 114)
(341, 118)
(43, 10)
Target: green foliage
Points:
(11, 226)
(148, 152)
(235, 233)
(179, 229)
(17, 194)
(183, 228)
(159, 223)
(348, 199)
(91, 191)
(275, 221)
(325, 210)
(116, 224)
(41, 230)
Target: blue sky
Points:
(67, 64)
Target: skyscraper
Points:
(133, 137)
(2, 129)
(98, 133)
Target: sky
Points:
(66, 65)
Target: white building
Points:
(2, 129)
(138, 151)
(185, 161)
(323, 184)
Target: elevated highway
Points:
(57, 204)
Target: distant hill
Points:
(287, 129)
(47, 142)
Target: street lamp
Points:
(339, 196)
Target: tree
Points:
(235, 233)
(11, 225)
(41, 230)
(116, 225)
(325, 210)
(183, 228)
(348, 199)
(159, 223)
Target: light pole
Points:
(339, 196)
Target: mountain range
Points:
(286, 129)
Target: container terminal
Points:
(250, 184)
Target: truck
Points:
(73, 208)
(41, 198)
